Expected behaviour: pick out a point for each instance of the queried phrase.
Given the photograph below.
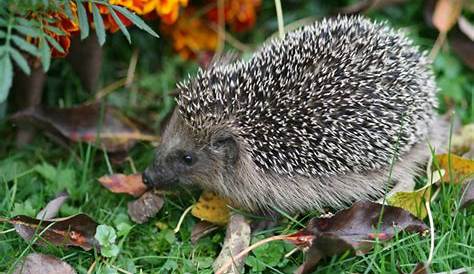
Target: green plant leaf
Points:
(25, 45)
(136, 20)
(25, 22)
(106, 237)
(45, 54)
(83, 22)
(67, 8)
(99, 24)
(6, 76)
(2, 34)
(54, 43)
(122, 27)
(20, 60)
(28, 31)
(55, 30)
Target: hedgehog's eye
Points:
(188, 159)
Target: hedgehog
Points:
(337, 111)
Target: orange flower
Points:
(191, 36)
(167, 10)
(239, 14)
(59, 21)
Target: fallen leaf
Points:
(52, 208)
(237, 238)
(354, 229)
(413, 201)
(202, 229)
(466, 27)
(145, 207)
(121, 183)
(83, 123)
(77, 230)
(212, 208)
(463, 47)
(460, 168)
(468, 195)
(446, 14)
(40, 263)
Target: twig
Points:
(108, 89)
(132, 67)
(438, 44)
(281, 24)
(181, 219)
(247, 250)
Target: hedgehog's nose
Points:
(147, 178)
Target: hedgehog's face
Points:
(179, 159)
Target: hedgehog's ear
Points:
(228, 145)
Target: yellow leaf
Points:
(461, 168)
(446, 14)
(413, 201)
(211, 208)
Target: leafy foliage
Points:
(29, 31)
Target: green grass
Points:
(32, 175)
(159, 250)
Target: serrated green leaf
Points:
(25, 45)
(45, 54)
(32, 32)
(2, 34)
(54, 43)
(3, 22)
(67, 8)
(136, 20)
(83, 22)
(122, 27)
(25, 22)
(6, 76)
(99, 24)
(20, 61)
(55, 30)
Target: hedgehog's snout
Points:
(158, 175)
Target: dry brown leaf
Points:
(237, 238)
(121, 183)
(353, 229)
(52, 208)
(83, 123)
(145, 207)
(446, 14)
(77, 230)
(212, 208)
(460, 168)
(36, 263)
(202, 229)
